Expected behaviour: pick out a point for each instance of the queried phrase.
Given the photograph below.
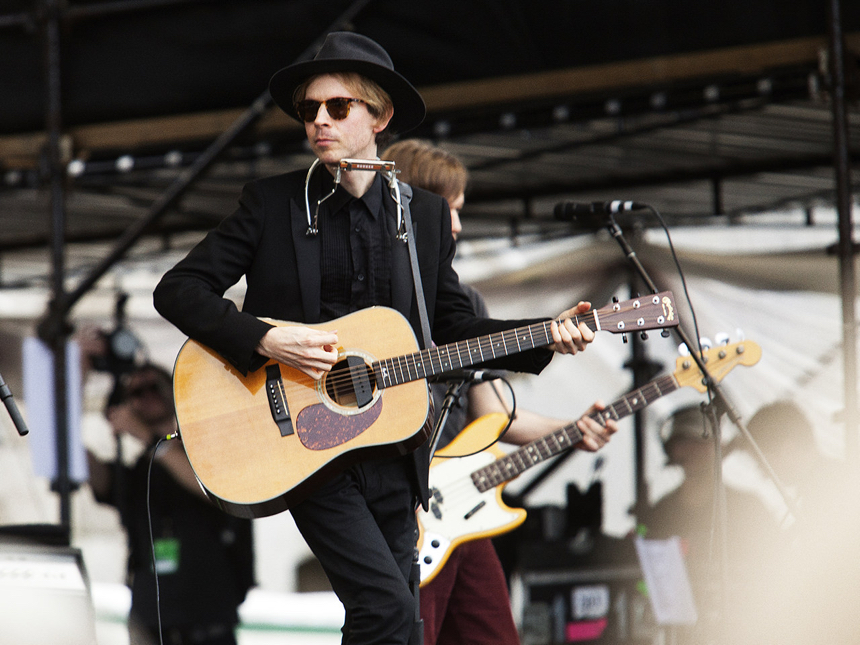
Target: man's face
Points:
(351, 138)
(695, 456)
(456, 205)
(149, 398)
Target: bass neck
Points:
(515, 463)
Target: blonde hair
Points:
(423, 165)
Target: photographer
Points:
(203, 557)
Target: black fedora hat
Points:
(345, 51)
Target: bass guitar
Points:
(466, 493)
(260, 443)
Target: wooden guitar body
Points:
(245, 463)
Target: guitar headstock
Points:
(653, 311)
(719, 361)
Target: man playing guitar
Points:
(312, 249)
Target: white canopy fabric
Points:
(773, 285)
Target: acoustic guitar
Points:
(260, 443)
(466, 493)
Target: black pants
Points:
(215, 634)
(362, 528)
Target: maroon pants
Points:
(467, 602)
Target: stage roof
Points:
(707, 111)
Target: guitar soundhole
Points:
(350, 383)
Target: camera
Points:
(121, 348)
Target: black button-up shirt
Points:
(355, 252)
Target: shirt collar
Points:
(372, 198)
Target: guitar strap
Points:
(402, 194)
(405, 197)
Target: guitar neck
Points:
(513, 464)
(445, 358)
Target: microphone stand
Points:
(14, 413)
(451, 396)
(416, 637)
(719, 406)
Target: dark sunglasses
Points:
(146, 388)
(337, 108)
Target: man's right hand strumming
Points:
(309, 350)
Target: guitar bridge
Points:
(278, 400)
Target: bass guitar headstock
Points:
(718, 361)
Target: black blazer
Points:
(264, 240)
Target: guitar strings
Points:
(412, 361)
(464, 487)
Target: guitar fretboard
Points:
(438, 360)
(654, 311)
(531, 454)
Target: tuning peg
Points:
(665, 333)
(683, 350)
(643, 335)
(624, 338)
(721, 338)
(614, 298)
(740, 335)
(705, 343)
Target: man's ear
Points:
(383, 122)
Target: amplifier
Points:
(584, 605)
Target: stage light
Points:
(659, 100)
(712, 93)
(125, 163)
(76, 168)
(508, 121)
(13, 177)
(560, 113)
(173, 159)
(442, 128)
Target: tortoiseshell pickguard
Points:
(321, 428)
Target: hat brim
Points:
(409, 107)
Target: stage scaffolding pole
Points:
(845, 246)
(51, 16)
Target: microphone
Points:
(579, 211)
(14, 413)
(467, 376)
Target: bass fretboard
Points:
(513, 464)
